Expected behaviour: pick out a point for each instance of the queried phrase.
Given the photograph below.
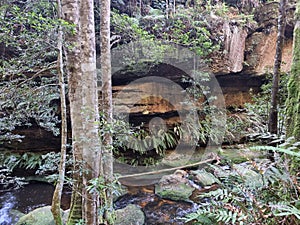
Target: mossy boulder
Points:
(204, 178)
(175, 186)
(130, 215)
(39, 216)
(251, 178)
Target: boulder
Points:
(251, 178)
(130, 215)
(175, 186)
(39, 216)
(15, 215)
(204, 178)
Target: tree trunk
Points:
(107, 103)
(90, 120)
(273, 115)
(56, 200)
(293, 100)
(70, 10)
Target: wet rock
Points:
(175, 186)
(235, 38)
(15, 215)
(157, 211)
(130, 215)
(204, 178)
(251, 178)
(168, 212)
(39, 216)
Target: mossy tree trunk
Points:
(273, 115)
(293, 100)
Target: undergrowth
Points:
(260, 192)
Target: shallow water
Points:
(26, 199)
(7, 202)
(157, 211)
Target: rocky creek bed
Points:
(150, 200)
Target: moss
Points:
(40, 216)
(293, 100)
(131, 214)
(175, 192)
(297, 12)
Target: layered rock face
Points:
(246, 56)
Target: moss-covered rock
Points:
(40, 216)
(175, 186)
(130, 215)
(174, 192)
(204, 178)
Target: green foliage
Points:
(100, 187)
(26, 160)
(44, 164)
(28, 36)
(259, 109)
(139, 141)
(186, 28)
(289, 148)
(285, 209)
(7, 181)
(260, 192)
(80, 222)
(28, 32)
(25, 103)
(128, 28)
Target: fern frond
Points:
(277, 149)
(285, 209)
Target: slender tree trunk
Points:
(91, 140)
(273, 115)
(293, 100)
(107, 102)
(56, 201)
(70, 9)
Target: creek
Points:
(25, 199)
(140, 191)
(37, 194)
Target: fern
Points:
(285, 209)
(290, 151)
(210, 213)
(240, 200)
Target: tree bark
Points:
(273, 115)
(106, 103)
(293, 100)
(90, 113)
(56, 200)
(70, 9)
